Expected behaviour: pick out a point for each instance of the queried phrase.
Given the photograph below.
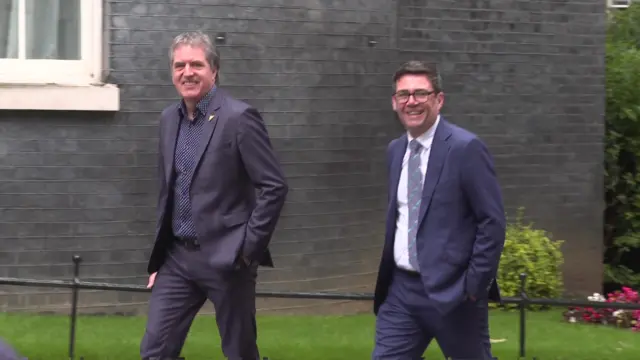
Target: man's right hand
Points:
(152, 280)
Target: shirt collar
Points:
(201, 106)
(427, 136)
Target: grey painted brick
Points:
(519, 73)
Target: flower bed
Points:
(629, 319)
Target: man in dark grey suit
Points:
(220, 197)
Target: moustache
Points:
(190, 79)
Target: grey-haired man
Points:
(221, 194)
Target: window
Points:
(53, 47)
(619, 3)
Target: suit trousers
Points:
(183, 284)
(407, 323)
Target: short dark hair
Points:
(415, 67)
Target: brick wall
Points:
(530, 84)
(85, 183)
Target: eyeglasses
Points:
(420, 95)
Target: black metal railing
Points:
(75, 284)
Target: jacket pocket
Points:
(457, 255)
(235, 218)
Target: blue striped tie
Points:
(415, 194)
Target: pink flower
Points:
(604, 315)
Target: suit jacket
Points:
(8, 353)
(461, 229)
(238, 189)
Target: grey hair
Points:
(197, 39)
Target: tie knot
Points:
(414, 145)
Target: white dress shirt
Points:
(401, 244)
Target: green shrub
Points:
(531, 251)
(623, 26)
(622, 143)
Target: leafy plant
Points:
(622, 144)
(624, 26)
(531, 251)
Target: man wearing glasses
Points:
(445, 231)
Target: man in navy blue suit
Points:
(445, 231)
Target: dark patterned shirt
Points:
(189, 137)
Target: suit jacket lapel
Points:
(396, 169)
(210, 122)
(173, 122)
(439, 149)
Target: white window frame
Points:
(612, 4)
(30, 84)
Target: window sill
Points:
(103, 97)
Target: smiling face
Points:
(192, 74)
(416, 103)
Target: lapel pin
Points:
(211, 117)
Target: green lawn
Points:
(309, 338)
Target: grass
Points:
(41, 337)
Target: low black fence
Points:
(75, 284)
